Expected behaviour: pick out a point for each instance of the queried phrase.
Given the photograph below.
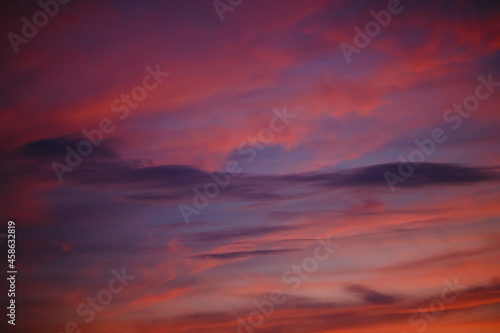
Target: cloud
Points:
(307, 314)
(231, 234)
(427, 174)
(180, 179)
(370, 295)
(55, 148)
(242, 254)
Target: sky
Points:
(306, 166)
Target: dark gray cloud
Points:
(241, 254)
(173, 182)
(231, 234)
(427, 174)
(55, 148)
(371, 296)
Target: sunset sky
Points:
(252, 165)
